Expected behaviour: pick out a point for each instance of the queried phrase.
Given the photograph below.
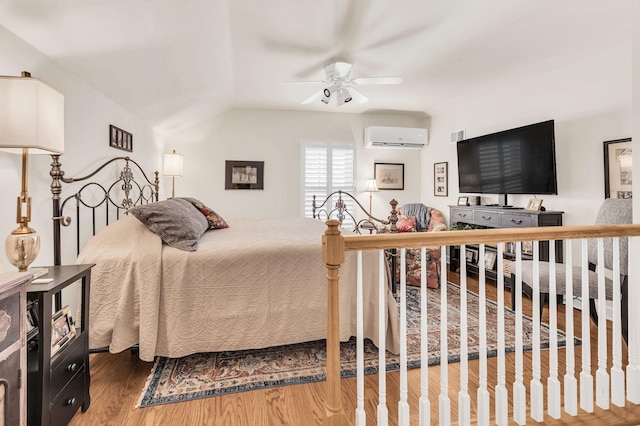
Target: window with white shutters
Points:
(326, 168)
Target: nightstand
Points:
(57, 385)
(12, 347)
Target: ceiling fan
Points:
(339, 85)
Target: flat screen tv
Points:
(515, 161)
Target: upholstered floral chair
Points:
(420, 218)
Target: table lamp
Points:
(371, 187)
(173, 168)
(31, 122)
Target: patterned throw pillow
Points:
(215, 220)
(406, 224)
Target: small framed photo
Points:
(244, 175)
(389, 175)
(63, 329)
(32, 319)
(120, 139)
(463, 201)
(489, 259)
(471, 255)
(527, 247)
(617, 168)
(534, 205)
(440, 179)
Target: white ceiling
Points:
(175, 62)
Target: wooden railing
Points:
(334, 246)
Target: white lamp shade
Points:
(173, 164)
(31, 116)
(372, 186)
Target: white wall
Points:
(590, 101)
(87, 118)
(274, 137)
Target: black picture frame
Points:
(120, 139)
(244, 175)
(63, 329)
(389, 176)
(441, 179)
(617, 172)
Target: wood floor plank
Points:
(118, 379)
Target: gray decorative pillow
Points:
(176, 221)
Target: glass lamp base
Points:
(22, 249)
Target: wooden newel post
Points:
(333, 257)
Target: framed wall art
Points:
(389, 175)
(440, 179)
(244, 175)
(617, 168)
(120, 139)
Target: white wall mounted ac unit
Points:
(395, 137)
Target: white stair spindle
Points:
(553, 384)
(425, 406)
(519, 390)
(586, 379)
(602, 377)
(383, 412)
(403, 405)
(361, 417)
(570, 382)
(502, 404)
(444, 403)
(537, 389)
(464, 401)
(483, 393)
(617, 375)
(633, 368)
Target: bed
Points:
(256, 283)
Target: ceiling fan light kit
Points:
(340, 83)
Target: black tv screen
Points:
(515, 161)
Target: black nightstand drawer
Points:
(68, 401)
(67, 363)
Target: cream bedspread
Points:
(259, 283)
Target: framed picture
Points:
(534, 205)
(32, 319)
(471, 255)
(120, 139)
(440, 179)
(617, 168)
(62, 329)
(527, 247)
(244, 175)
(389, 175)
(463, 201)
(489, 259)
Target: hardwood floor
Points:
(117, 381)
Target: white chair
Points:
(612, 211)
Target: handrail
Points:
(492, 235)
(334, 246)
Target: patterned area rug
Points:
(211, 374)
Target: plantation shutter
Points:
(328, 168)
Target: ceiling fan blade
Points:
(312, 98)
(303, 82)
(377, 80)
(357, 96)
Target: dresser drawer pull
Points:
(462, 215)
(486, 218)
(517, 222)
(70, 401)
(72, 367)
